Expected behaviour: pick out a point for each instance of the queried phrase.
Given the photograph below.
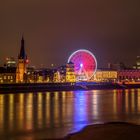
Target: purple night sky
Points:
(53, 29)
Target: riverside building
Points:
(7, 74)
(105, 75)
(22, 63)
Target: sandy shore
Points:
(110, 131)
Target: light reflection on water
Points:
(55, 114)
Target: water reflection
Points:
(126, 101)
(57, 113)
(80, 107)
(21, 112)
(1, 112)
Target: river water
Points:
(39, 115)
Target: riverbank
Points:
(34, 87)
(109, 131)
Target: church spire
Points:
(21, 66)
(22, 54)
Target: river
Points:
(39, 115)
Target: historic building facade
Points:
(70, 73)
(7, 74)
(131, 75)
(21, 66)
(105, 75)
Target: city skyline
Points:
(53, 30)
(70, 69)
(54, 65)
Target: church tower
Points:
(21, 66)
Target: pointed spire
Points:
(22, 54)
(22, 40)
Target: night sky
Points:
(53, 29)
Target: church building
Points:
(21, 65)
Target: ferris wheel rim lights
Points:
(87, 51)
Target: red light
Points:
(27, 61)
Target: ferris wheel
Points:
(85, 64)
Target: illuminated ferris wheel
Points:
(85, 64)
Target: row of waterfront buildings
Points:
(21, 73)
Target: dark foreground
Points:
(110, 131)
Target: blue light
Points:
(81, 65)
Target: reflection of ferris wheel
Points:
(85, 64)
